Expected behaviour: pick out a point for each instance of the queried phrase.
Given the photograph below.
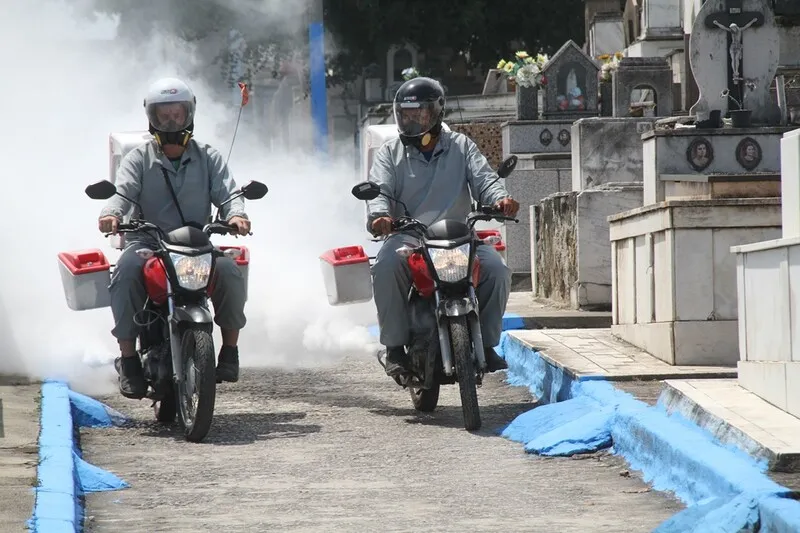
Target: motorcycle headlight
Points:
(450, 265)
(193, 272)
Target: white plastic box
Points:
(243, 262)
(500, 246)
(347, 275)
(85, 276)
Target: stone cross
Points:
(735, 45)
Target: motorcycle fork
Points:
(444, 339)
(476, 337)
(174, 339)
(473, 319)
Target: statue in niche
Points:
(571, 96)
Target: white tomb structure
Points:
(768, 288)
(705, 189)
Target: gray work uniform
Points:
(433, 190)
(202, 178)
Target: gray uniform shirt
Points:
(437, 189)
(202, 178)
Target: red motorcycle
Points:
(175, 341)
(446, 345)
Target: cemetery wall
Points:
(488, 137)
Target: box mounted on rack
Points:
(85, 276)
(347, 275)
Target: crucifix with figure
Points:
(735, 21)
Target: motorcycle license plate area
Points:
(85, 276)
(347, 275)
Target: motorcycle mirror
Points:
(102, 190)
(507, 167)
(255, 190)
(366, 190)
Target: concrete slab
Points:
(19, 420)
(593, 353)
(537, 314)
(736, 416)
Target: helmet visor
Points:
(415, 118)
(170, 117)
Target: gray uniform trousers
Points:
(391, 279)
(128, 294)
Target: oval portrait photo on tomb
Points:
(748, 153)
(546, 137)
(564, 137)
(700, 154)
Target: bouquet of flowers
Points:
(410, 73)
(610, 63)
(524, 70)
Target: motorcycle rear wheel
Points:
(425, 400)
(167, 409)
(465, 371)
(197, 395)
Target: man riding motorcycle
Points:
(434, 172)
(175, 179)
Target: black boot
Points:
(493, 361)
(228, 364)
(131, 377)
(396, 361)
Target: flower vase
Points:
(606, 96)
(741, 118)
(527, 103)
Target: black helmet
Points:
(419, 108)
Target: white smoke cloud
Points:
(66, 86)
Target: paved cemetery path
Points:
(342, 450)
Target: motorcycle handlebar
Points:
(218, 228)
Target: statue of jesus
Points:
(736, 45)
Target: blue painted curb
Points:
(725, 489)
(511, 321)
(63, 476)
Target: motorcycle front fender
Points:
(455, 307)
(194, 314)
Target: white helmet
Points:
(170, 123)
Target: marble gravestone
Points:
(734, 45)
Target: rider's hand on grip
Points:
(108, 224)
(508, 206)
(241, 226)
(382, 226)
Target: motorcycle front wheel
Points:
(465, 372)
(197, 395)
